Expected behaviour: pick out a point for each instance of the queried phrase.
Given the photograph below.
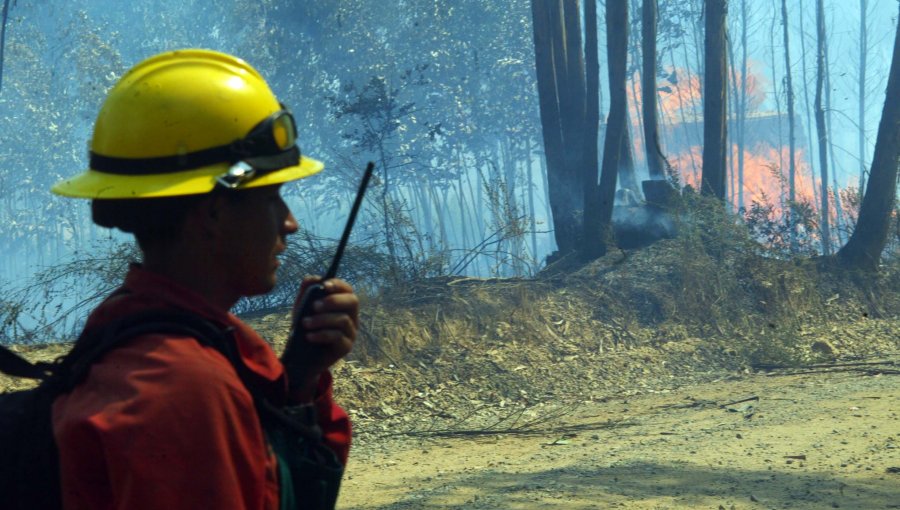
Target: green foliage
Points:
(376, 113)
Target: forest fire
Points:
(765, 178)
(766, 158)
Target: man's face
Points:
(253, 226)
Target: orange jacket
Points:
(164, 422)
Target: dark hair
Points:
(151, 220)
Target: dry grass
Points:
(706, 302)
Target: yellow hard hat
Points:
(183, 122)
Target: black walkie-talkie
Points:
(297, 352)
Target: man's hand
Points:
(330, 331)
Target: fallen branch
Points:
(564, 429)
(863, 370)
(866, 367)
(513, 423)
(706, 403)
(825, 365)
(748, 399)
(695, 403)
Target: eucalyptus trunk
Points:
(807, 108)
(561, 89)
(863, 250)
(5, 17)
(839, 223)
(715, 101)
(652, 149)
(742, 106)
(861, 117)
(792, 168)
(532, 214)
(592, 214)
(774, 45)
(734, 87)
(617, 52)
(821, 129)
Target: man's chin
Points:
(263, 288)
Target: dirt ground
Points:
(807, 438)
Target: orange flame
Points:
(680, 95)
(766, 177)
(765, 165)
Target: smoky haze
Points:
(440, 95)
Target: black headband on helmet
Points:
(270, 145)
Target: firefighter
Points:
(189, 152)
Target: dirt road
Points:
(826, 438)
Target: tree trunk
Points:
(863, 250)
(715, 101)
(792, 169)
(825, 229)
(387, 209)
(617, 52)
(776, 94)
(5, 16)
(512, 207)
(464, 216)
(742, 107)
(627, 177)
(562, 207)
(532, 214)
(839, 229)
(561, 89)
(863, 51)
(809, 114)
(736, 136)
(648, 91)
(574, 97)
(592, 127)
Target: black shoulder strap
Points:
(181, 323)
(93, 344)
(17, 366)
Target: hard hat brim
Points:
(94, 184)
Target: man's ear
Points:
(205, 218)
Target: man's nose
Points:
(290, 224)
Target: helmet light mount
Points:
(236, 175)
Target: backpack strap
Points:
(93, 344)
(17, 366)
(67, 372)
